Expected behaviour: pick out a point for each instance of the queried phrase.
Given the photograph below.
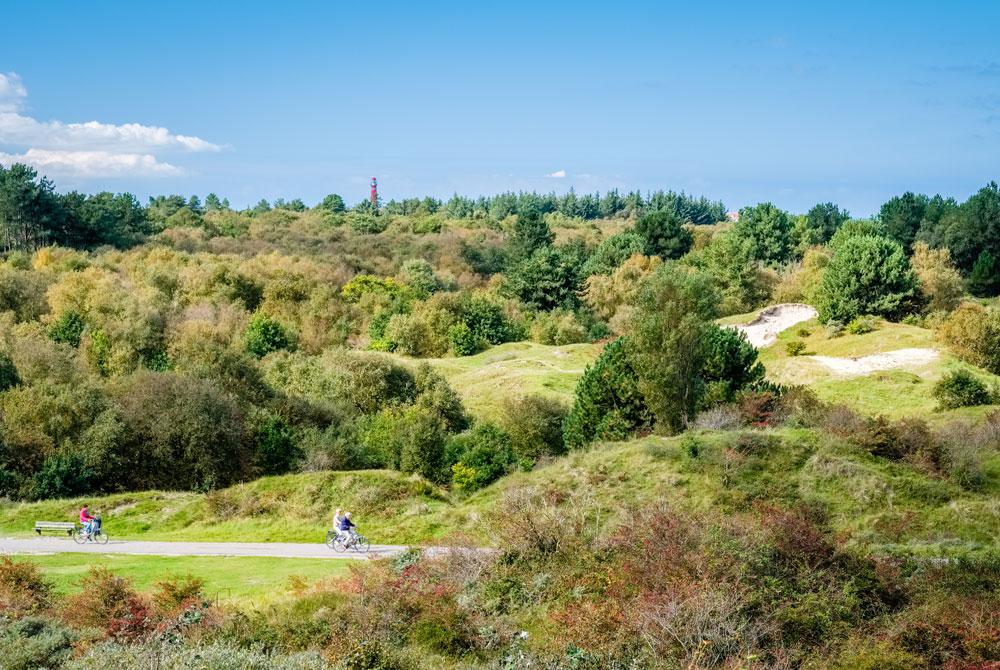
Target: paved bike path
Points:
(51, 545)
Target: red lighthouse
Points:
(374, 195)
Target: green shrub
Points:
(367, 224)
(463, 341)
(8, 373)
(664, 235)
(861, 325)
(834, 328)
(549, 278)
(612, 252)
(418, 274)
(67, 328)
(62, 476)
(479, 457)
(34, 643)
(868, 275)
(557, 327)
(264, 335)
(795, 347)
(729, 365)
(485, 317)
(961, 388)
(534, 424)
(609, 387)
(276, 451)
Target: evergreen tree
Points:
(984, 280)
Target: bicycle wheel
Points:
(330, 538)
(79, 537)
(361, 544)
(339, 544)
(101, 537)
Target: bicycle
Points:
(341, 542)
(81, 536)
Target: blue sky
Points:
(778, 101)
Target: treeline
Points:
(33, 214)
(698, 211)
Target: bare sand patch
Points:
(763, 331)
(889, 360)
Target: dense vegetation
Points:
(183, 345)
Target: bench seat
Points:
(67, 527)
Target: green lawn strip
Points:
(242, 580)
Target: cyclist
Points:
(86, 520)
(337, 516)
(347, 526)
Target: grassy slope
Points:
(292, 508)
(239, 580)
(514, 369)
(880, 505)
(895, 393)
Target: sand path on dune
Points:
(889, 360)
(763, 331)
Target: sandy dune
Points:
(890, 360)
(763, 330)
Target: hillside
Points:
(876, 505)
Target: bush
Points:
(67, 328)
(264, 335)
(973, 333)
(23, 589)
(868, 275)
(558, 327)
(479, 457)
(961, 389)
(549, 278)
(730, 365)
(663, 234)
(487, 320)
(463, 341)
(8, 373)
(179, 433)
(62, 476)
(939, 280)
(612, 252)
(367, 224)
(110, 603)
(768, 231)
(795, 347)
(534, 425)
(35, 643)
(276, 451)
(861, 325)
(609, 388)
(834, 328)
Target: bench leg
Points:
(38, 532)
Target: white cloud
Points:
(12, 92)
(90, 164)
(558, 174)
(90, 149)
(23, 130)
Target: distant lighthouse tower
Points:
(374, 195)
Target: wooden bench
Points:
(67, 527)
